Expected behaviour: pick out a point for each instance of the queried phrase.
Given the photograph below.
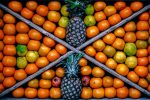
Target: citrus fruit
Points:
(21, 50)
(130, 49)
(63, 22)
(131, 62)
(64, 11)
(120, 57)
(21, 62)
(89, 20)
(89, 9)
(32, 56)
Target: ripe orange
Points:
(22, 27)
(143, 61)
(32, 5)
(134, 93)
(42, 10)
(142, 25)
(103, 25)
(1, 13)
(9, 39)
(1, 67)
(31, 69)
(30, 92)
(95, 83)
(34, 34)
(122, 69)
(141, 71)
(86, 70)
(55, 93)
(111, 63)
(43, 93)
(133, 76)
(43, 50)
(109, 38)
(148, 88)
(143, 83)
(49, 26)
(8, 71)
(114, 19)
(9, 50)
(48, 42)
(136, 5)
(1, 35)
(1, 88)
(9, 19)
(1, 45)
(22, 38)
(33, 45)
(9, 61)
(99, 45)
(18, 93)
(144, 16)
(26, 13)
(142, 35)
(53, 16)
(119, 44)
(98, 93)
(98, 72)
(49, 74)
(86, 93)
(142, 53)
(110, 92)
(61, 49)
(9, 29)
(9, 82)
(46, 84)
(53, 55)
(110, 10)
(60, 72)
(99, 16)
(60, 32)
(54, 5)
(1, 77)
(130, 26)
(126, 12)
(15, 6)
(20, 74)
(108, 81)
(42, 62)
(92, 31)
(119, 32)
(130, 37)
(37, 19)
(120, 5)
(122, 92)
(1, 56)
(90, 51)
(1, 23)
(118, 83)
(83, 62)
(101, 57)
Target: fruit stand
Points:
(74, 49)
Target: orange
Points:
(136, 5)
(9, 82)
(98, 72)
(148, 88)
(95, 83)
(120, 5)
(43, 93)
(110, 92)
(130, 26)
(26, 13)
(126, 12)
(9, 29)
(9, 39)
(143, 61)
(1, 13)
(109, 38)
(103, 25)
(108, 81)
(30, 92)
(60, 72)
(55, 93)
(53, 16)
(31, 69)
(54, 5)
(9, 50)
(99, 45)
(49, 26)
(34, 34)
(86, 93)
(99, 5)
(122, 69)
(99, 16)
(86, 70)
(33, 45)
(42, 10)
(49, 74)
(142, 25)
(61, 49)
(119, 32)
(118, 83)
(141, 71)
(48, 42)
(142, 53)
(1, 34)
(53, 55)
(43, 50)
(8, 71)
(83, 62)
(9, 19)
(110, 10)
(1, 88)
(1, 67)
(1, 45)
(22, 27)
(15, 6)
(60, 32)
(90, 51)
(18, 93)
(1, 23)
(98, 93)
(1, 56)
(1, 77)
(9, 61)
(122, 92)
(144, 16)
(20, 74)
(32, 5)
(101, 57)
(46, 84)
(134, 93)
(133, 76)
(42, 62)
(143, 83)
(114, 19)
(92, 31)
(130, 37)
(37, 19)
(119, 44)
(22, 38)
(142, 35)
(111, 63)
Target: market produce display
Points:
(48, 29)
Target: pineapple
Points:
(71, 85)
(76, 29)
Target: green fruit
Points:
(140, 44)
(63, 22)
(32, 56)
(89, 9)
(89, 20)
(21, 50)
(131, 62)
(33, 83)
(21, 62)
(130, 49)
(109, 51)
(120, 57)
(64, 11)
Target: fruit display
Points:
(74, 49)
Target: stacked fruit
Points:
(23, 51)
(126, 51)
